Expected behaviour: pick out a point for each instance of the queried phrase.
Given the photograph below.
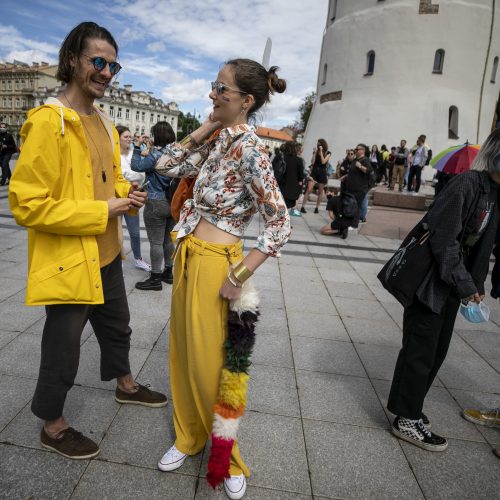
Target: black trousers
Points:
(426, 338)
(5, 164)
(61, 342)
(415, 172)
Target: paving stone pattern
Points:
(316, 425)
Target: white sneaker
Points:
(172, 460)
(141, 264)
(235, 486)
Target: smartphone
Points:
(143, 186)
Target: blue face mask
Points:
(475, 313)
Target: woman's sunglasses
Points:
(220, 88)
(100, 63)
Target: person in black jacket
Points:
(356, 181)
(463, 223)
(7, 149)
(292, 179)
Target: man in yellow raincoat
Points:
(68, 190)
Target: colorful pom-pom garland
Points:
(231, 401)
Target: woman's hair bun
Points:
(275, 83)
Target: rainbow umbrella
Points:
(456, 159)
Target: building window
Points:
(143, 118)
(3, 84)
(438, 61)
(18, 103)
(9, 84)
(4, 102)
(325, 72)
(453, 123)
(370, 63)
(23, 84)
(333, 10)
(172, 120)
(127, 114)
(137, 115)
(119, 114)
(111, 111)
(101, 106)
(17, 85)
(165, 118)
(151, 118)
(157, 118)
(494, 70)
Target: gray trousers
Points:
(159, 224)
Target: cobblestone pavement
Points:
(316, 425)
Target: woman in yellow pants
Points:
(214, 306)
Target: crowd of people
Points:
(72, 186)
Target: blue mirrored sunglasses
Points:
(100, 63)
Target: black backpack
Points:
(279, 167)
(348, 206)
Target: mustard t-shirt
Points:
(101, 157)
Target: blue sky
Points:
(175, 47)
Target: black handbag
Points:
(404, 272)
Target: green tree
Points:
(187, 123)
(305, 110)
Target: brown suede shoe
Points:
(70, 444)
(144, 396)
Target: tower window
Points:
(438, 61)
(453, 123)
(494, 70)
(370, 63)
(325, 71)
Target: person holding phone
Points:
(68, 189)
(157, 213)
(321, 157)
(132, 221)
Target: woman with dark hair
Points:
(132, 221)
(214, 305)
(157, 216)
(462, 224)
(291, 182)
(321, 157)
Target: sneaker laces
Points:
(423, 429)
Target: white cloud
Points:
(212, 31)
(156, 47)
(16, 46)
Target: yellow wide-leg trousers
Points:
(198, 330)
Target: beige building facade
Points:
(23, 87)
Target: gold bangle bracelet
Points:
(187, 141)
(241, 272)
(231, 280)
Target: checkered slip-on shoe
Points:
(415, 432)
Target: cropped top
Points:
(234, 179)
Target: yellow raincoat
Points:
(52, 193)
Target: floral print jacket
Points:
(234, 179)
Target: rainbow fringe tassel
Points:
(232, 398)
